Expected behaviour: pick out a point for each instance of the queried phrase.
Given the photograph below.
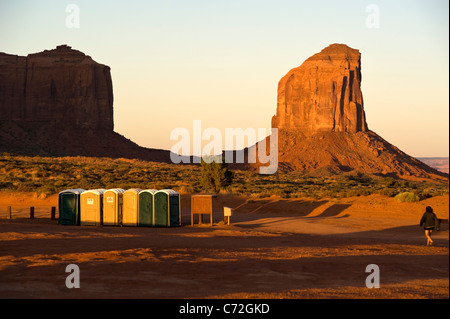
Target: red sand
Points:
(275, 248)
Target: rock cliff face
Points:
(323, 94)
(63, 86)
(60, 102)
(322, 127)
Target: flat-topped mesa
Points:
(60, 103)
(323, 94)
(62, 85)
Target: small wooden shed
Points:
(112, 206)
(91, 207)
(69, 206)
(130, 207)
(145, 215)
(167, 208)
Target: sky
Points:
(173, 62)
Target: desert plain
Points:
(274, 248)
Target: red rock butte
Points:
(61, 85)
(60, 102)
(323, 94)
(322, 127)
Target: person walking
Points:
(430, 222)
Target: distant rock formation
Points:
(322, 126)
(439, 163)
(61, 85)
(60, 102)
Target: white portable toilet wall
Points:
(167, 208)
(112, 206)
(145, 214)
(69, 206)
(130, 207)
(91, 207)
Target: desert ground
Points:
(274, 248)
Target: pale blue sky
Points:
(220, 61)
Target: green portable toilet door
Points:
(68, 209)
(161, 209)
(145, 209)
(174, 211)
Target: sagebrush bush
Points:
(407, 197)
(388, 192)
(390, 182)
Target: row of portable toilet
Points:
(133, 207)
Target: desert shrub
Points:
(263, 194)
(186, 189)
(326, 193)
(406, 184)
(389, 182)
(360, 178)
(387, 192)
(105, 179)
(255, 195)
(343, 194)
(277, 192)
(6, 185)
(360, 192)
(407, 197)
(47, 190)
(299, 194)
(25, 187)
(239, 189)
(215, 175)
(431, 191)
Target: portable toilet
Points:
(130, 207)
(167, 208)
(69, 206)
(112, 206)
(145, 214)
(91, 204)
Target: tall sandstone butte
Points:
(322, 126)
(323, 94)
(60, 102)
